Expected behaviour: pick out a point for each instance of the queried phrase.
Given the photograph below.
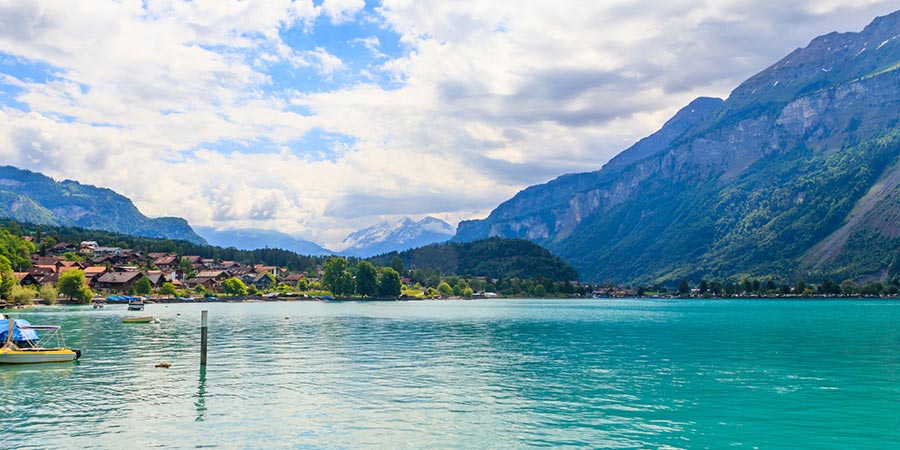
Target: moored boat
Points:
(146, 319)
(136, 305)
(19, 346)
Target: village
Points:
(114, 270)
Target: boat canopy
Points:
(23, 331)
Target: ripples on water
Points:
(484, 374)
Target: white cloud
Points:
(174, 104)
(340, 11)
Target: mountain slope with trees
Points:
(494, 257)
(35, 198)
(796, 174)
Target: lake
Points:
(467, 374)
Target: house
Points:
(157, 278)
(118, 281)
(209, 284)
(26, 279)
(108, 251)
(165, 262)
(264, 281)
(293, 278)
(62, 248)
(259, 268)
(88, 246)
(209, 279)
(92, 273)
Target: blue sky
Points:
(318, 118)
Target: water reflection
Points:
(200, 402)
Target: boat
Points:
(136, 305)
(145, 319)
(21, 344)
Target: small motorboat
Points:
(136, 305)
(146, 319)
(22, 346)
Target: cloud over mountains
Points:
(317, 118)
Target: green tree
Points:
(337, 277)
(848, 287)
(71, 284)
(444, 289)
(397, 264)
(467, 292)
(683, 287)
(389, 283)
(186, 268)
(22, 295)
(800, 287)
(539, 291)
(167, 289)
(459, 287)
(143, 286)
(366, 279)
(303, 285)
(48, 293)
(72, 256)
(234, 286)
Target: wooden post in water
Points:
(203, 332)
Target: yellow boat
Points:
(146, 319)
(30, 353)
(37, 355)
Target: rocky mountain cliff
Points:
(389, 237)
(35, 198)
(794, 175)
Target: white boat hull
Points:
(33, 357)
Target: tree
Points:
(683, 287)
(459, 287)
(303, 285)
(48, 293)
(366, 279)
(186, 268)
(71, 283)
(72, 256)
(467, 292)
(389, 283)
(540, 291)
(143, 286)
(22, 295)
(444, 289)
(397, 264)
(234, 286)
(337, 277)
(849, 287)
(800, 287)
(704, 286)
(167, 289)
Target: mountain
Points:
(35, 198)
(405, 234)
(251, 239)
(796, 174)
(493, 257)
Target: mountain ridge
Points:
(821, 124)
(403, 235)
(36, 198)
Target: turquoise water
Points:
(480, 374)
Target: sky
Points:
(318, 118)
